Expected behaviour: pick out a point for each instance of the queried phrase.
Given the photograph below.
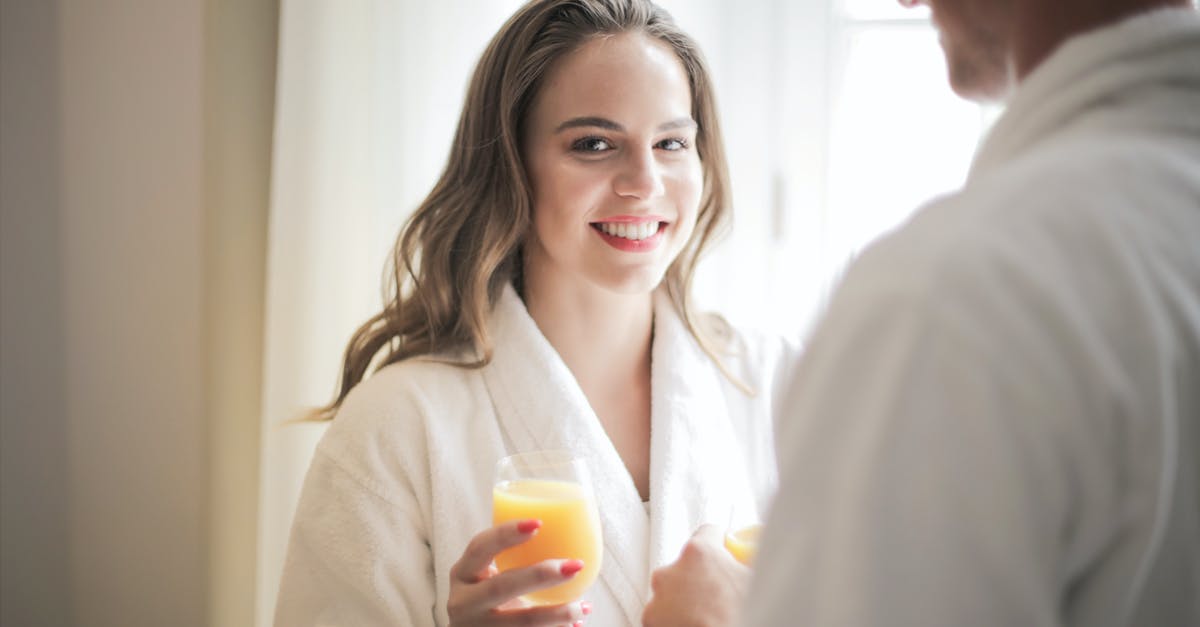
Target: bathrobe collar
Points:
(694, 466)
(1155, 50)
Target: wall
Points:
(132, 233)
(135, 152)
(33, 419)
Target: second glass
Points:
(741, 534)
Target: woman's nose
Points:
(639, 177)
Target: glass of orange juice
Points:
(743, 543)
(741, 534)
(553, 487)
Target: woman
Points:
(541, 302)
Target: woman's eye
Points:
(591, 144)
(673, 144)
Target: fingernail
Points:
(529, 526)
(570, 567)
(586, 607)
(578, 623)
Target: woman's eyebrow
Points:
(607, 124)
(590, 121)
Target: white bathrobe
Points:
(998, 421)
(403, 478)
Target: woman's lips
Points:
(631, 234)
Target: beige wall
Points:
(132, 226)
(240, 95)
(135, 156)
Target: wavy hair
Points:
(463, 243)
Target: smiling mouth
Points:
(631, 231)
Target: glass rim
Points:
(540, 459)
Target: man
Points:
(996, 423)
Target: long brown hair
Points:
(463, 243)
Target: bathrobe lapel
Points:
(1154, 51)
(697, 469)
(541, 406)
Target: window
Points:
(862, 129)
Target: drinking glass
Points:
(741, 535)
(555, 488)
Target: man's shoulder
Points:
(1046, 238)
(1085, 177)
(1008, 233)
(1059, 203)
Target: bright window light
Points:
(879, 135)
(899, 136)
(882, 10)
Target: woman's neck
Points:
(602, 336)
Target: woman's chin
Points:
(632, 281)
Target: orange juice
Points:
(570, 530)
(743, 543)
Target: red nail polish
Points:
(529, 526)
(586, 607)
(570, 567)
(578, 623)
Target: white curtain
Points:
(367, 97)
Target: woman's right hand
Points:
(480, 595)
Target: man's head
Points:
(977, 38)
(990, 45)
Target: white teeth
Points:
(630, 231)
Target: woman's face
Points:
(611, 149)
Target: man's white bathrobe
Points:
(998, 421)
(403, 478)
